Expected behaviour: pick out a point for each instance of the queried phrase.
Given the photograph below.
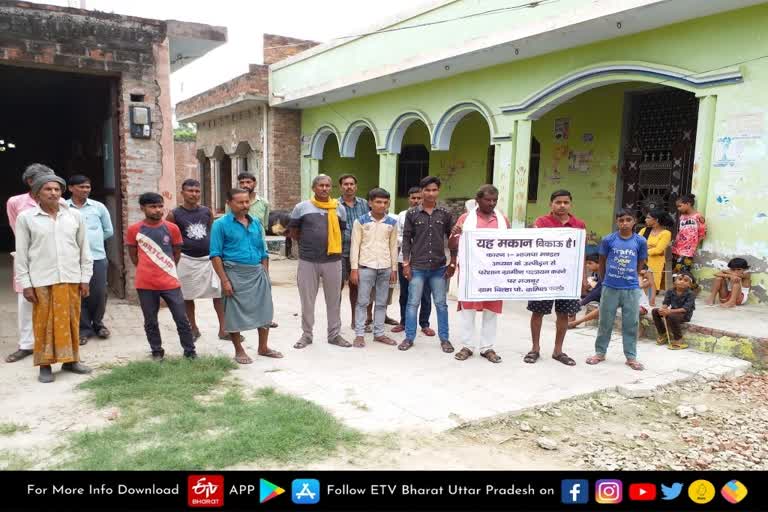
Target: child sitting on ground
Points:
(732, 286)
(679, 303)
(647, 286)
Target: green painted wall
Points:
(598, 113)
(736, 197)
(365, 165)
(463, 168)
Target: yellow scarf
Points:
(334, 231)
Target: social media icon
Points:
(642, 492)
(268, 490)
(305, 491)
(701, 491)
(671, 492)
(734, 491)
(205, 491)
(609, 492)
(574, 492)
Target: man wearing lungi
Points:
(14, 207)
(483, 216)
(196, 274)
(53, 267)
(240, 259)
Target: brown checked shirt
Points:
(424, 237)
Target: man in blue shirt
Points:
(240, 259)
(99, 227)
(622, 255)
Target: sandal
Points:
(244, 359)
(390, 321)
(428, 331)
(492, 356)
(661, 339)
(563, 358)
(446, 346)
(635, 364)
(359, 342)
(273, 325)
(405, 345)
(339, 341)
(303, 342)
(104, 333)
(463, 354)
(18, 355)
(228, 337)
(398, 328)
(677, 345)
(83, 340)
(271, 353)
(531, 357)
(595, 359)
(385, 340)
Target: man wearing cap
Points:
(14, 207)
(53, 266)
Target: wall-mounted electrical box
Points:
(141, 122)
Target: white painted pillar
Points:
(388, 176)
(702, 155)
(521, 170)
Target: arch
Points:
(243, 148)
(352, 135)
(573, 84)
(218, 153)
(394, 142)
(441, 139)
(319, 138)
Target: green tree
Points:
(186, 132)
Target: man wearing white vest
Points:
(484, 216)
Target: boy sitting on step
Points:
(731, 286)
(679, 303)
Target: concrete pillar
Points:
(522, 160)
(388, 176)
(503, 175)
(702, 155)
(310, 167)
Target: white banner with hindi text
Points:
(521, 264)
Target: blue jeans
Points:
(439, 287)
(629, 302)
(426, 300)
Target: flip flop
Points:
(359, 342)
(271, 353)
(340, 342)
(446, 346)
(428, 332)
(385, 340)
(398, 328)
(595, 359)
(104, 333)
(463, 354)
(492, 356)
(635, 364)
(228, 337)
(302, 343)
(677, 346)
(243, 359)
(405, 345)
(83, 341)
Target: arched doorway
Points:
(361, 160)
(414, 161)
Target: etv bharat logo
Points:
(205, 491)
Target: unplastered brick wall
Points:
(80, 41)
(253, 83)
(187, 165)
(284, 158)
(277, 48)
(228, 131)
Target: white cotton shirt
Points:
(52, 251)
(400, 226)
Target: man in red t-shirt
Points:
(155, 248)
(559, 216)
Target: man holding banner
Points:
(484, 216)
(560, 216)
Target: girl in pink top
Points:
(691, 231)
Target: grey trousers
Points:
(377, 280)
(308, 279)
(94, 305)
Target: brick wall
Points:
(284, 158)
(186, 164)
(277, 48)
(254, 83)
(74, 40)
(229, 130)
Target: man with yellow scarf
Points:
(317, 225)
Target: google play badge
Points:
(734, 491)
(268, 490)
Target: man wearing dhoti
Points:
(240, 259)
(196, 274)
(53, 266)
(483, 216)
